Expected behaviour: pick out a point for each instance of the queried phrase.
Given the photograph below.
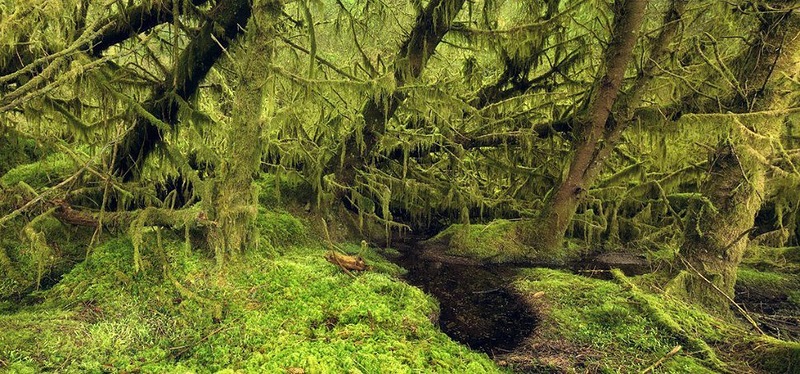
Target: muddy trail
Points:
(477, 306)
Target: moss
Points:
(28, 266)
(601, 319)
(276, 312)
(495, 242)
(785, 259)
(46, 172)
(766, 284)
(777, 356)
(279, 228)
(275, 190)
(16, 150)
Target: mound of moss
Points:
(48, 171)
(262, 313)
(497, 242)
(35, 254)
(599, 325)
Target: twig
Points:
(662, 359)
(714, 286)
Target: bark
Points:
(430, 27)
(234, 196)
(548, 233)
(225, 23)
(736, 184)
(346, 262)
(138, 19)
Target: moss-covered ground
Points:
(280, 307)
(276, 309)
(596, 325)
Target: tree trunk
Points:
(548, 232)
(736, 186)
(234, 200)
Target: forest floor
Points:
(166, 306)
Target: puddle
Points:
(476, 307)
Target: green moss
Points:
(16, 150)
(777, 356)
(294, 310)
(601, 318)
(767, 284)
(46, 172)
(785, 259)
(279, 229)
(493, 242)
(684, 364)
(27, 266)
(275, 191)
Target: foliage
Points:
(124, 108)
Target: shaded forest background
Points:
(665, 128)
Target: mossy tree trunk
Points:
(715, 239)
(547, 233)
(234, 201)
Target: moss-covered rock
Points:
(497, 242)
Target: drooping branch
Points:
(101, 36)
(430, 27)
(225, 23)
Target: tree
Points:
(594, 135)
(233, 197)
(740, 165)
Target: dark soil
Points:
(477, 308)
